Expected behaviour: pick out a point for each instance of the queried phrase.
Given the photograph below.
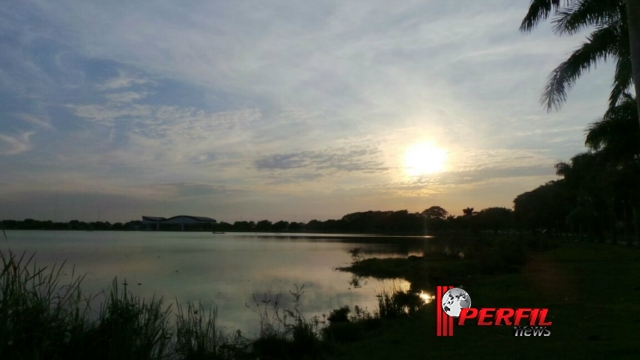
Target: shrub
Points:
(395, 303)
(339, 315)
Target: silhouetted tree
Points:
(586, 176)
(435, 212)
(263, 225)
(609, 39)
(545, 207)
(243, 226)
(435, 218)
(614, 139)
(280, 226)
(494, 218)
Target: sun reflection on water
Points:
(426, 297)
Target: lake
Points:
(225, 270)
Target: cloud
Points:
(187, 190)
(181, 129)
(165, 142)
(191, 123)
(13, 145)
(487, 174)
(122, 81)
(476, 159)
(125, 97)
(289, 102)
(35, 121)
(349, 159)
(291, 115)
(108, 114)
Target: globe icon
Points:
(454, 300)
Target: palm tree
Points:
(468, 211)
(546, 206)
(610, 39)
(586, 179)
(615, 136)
(633, 21)
(581, 175)
(615, 140)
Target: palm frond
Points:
(626, 108)
(626, 96)
(562, 168)
(615, 136)
(583, 160)
(540, 10)
(585, 13)
(601, 44)
(622, 81)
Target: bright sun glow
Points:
(424, 158)
(426, 297)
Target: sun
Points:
(424, 158)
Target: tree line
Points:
(431, 220)
(598, 194)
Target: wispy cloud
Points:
(16, 144)
(125, 97)
(269, 105)
(361, 158)
(122, 81)
(39, 122)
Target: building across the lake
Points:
(180, 219)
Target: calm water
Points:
(227, 270)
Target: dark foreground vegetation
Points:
(589, 288)
(454, 258)
(43, 318)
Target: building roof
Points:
(177, 219)
(153, 218)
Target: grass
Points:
(42, 318)
(39, 317)
(285, 333)
(454, 260)
(198, 337)
(592, 292)
(129, 327)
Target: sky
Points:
(278, 110)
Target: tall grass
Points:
(42, 317)
(39, 316)
(198, 336)
(130, 328)
(285, 333)
(395, 303)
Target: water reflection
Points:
(355, 281)
(222, 270)
(426, 297)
